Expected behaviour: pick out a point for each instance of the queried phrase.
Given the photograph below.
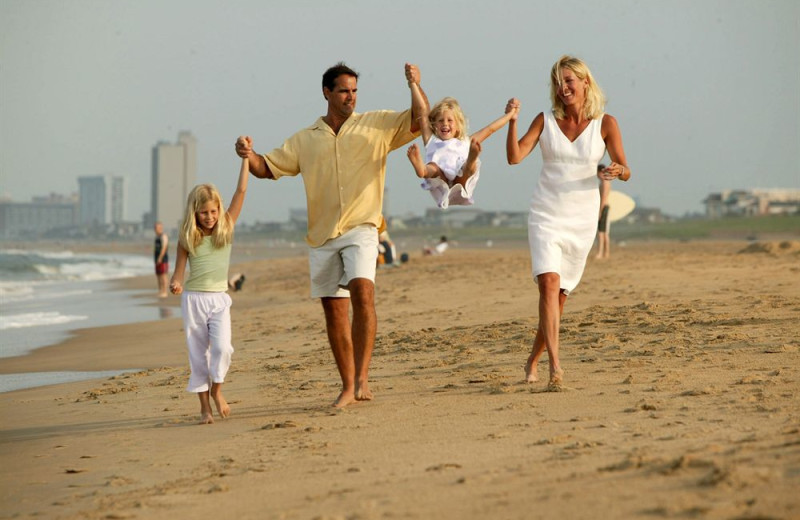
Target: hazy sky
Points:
(707, 93)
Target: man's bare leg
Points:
(365, 324)
(337, 323)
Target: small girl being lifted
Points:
(451, 168)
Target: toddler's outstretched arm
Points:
(494, 126)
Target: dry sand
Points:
(682, 400)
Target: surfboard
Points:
(620, 206)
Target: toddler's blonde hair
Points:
(452, 105)
(191, 235)
(595, 101)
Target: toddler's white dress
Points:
(563, 217)
(450, 156)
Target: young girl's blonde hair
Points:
(595, 101)
(452, 105)
(191, 236)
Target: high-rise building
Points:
(174, 174)
(102, 199)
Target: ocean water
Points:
(45, 295)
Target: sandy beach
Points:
(681, 400)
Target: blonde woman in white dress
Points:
(562, 222)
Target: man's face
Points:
(342, 99)
(158, 228)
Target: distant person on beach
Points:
(205, 240)
(574, 136)
(438, 249)
(342, 158)
(603, 222)
(451, 168)
(161, 253)
(236, 281)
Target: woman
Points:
(562, 221)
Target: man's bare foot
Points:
(556, 380)
(223, 408)
(206, 418)
(416, 160)
(363, 393)
(344, 399)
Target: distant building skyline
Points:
(173, 176)
(103, 199)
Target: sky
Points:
(707, 94)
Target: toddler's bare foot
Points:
(206, 418)
(344, 399)
(416, 160)
(363, 393)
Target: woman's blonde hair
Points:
(452, 105)
(594, 102)
(191, 235)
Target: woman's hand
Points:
(613, 171)
(512, 107)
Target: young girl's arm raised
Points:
(235, 207)
(176, 283)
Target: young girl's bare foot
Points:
(223, 409)
(219, 400)
(344, 399)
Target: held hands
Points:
(244, 146)
(412, 74)
(512, 107)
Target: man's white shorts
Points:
(339, 260)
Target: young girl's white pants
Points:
(207, 322)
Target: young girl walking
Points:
(451, 168)
(205, 240)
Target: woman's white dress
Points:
(450, 156)
(563, 217)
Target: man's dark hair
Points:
(329, 78)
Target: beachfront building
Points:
(29, 220)
(751, 203)
(173, 176)
(103, 200)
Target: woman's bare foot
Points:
(556, 380)
(530, 370)
(344, 399)
(206, 418)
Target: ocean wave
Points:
(18, 265)
(36, 319)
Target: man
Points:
(342, 158)
(161, 257)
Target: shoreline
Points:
(681, 384)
